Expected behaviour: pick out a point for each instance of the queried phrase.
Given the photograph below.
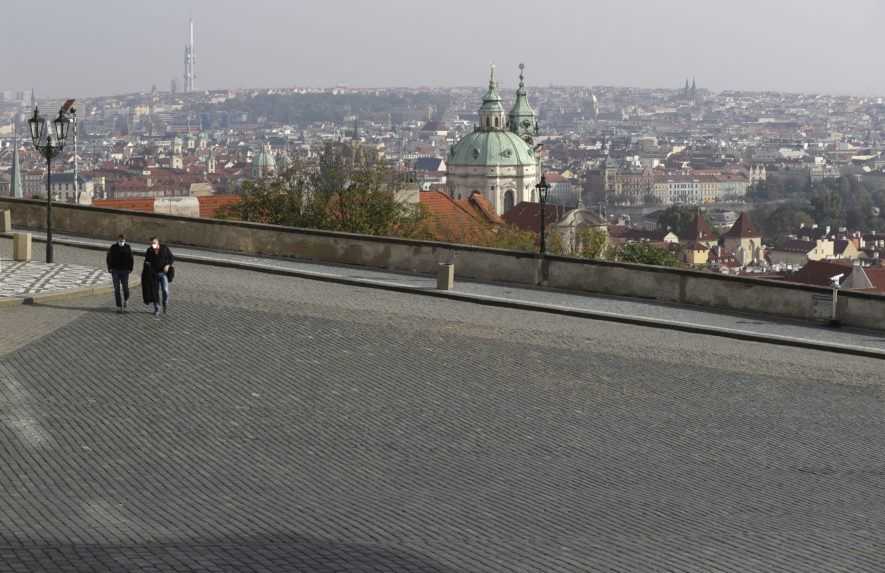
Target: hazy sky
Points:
(95, 47)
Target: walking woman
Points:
(158, 270)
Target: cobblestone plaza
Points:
(278, 424)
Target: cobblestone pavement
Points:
(277, 424)
(611, 304)
(18, 279)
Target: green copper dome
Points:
(491, 148)
(494, 143)
(264, 164)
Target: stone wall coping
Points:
(277, 228)
(750, 281)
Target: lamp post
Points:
(543, 188)
(49, 146)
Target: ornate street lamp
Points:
(543, 189)
(49, 145)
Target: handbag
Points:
(170, 275)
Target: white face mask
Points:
(121, 243)
(155, 245)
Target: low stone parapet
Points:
(740, 294)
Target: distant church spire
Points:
(16, 173)
(491, 114)
(523, 121)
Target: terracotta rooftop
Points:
(700, 230)
(877, 277)
(819, 272)
(456, 220)
(145, 205)
(209, 205)
(526, 215)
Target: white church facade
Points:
(498, 158)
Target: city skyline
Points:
(810, 46)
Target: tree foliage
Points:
(349, 191)
(679, 219)
(645, 254)
(845, 202)
(591, 243)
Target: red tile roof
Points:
(877, 277)
(700, 230)
(209, 205)
(526, 215)
(144, 205)
(477, 202)
(457, 220)
(819, 272)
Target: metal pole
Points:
(76, 165)
(48, 207)
(541, 197)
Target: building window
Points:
(496, 122)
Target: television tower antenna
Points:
(190, 59)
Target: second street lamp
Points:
(49, 146)
(543, 188)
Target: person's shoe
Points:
(164, 308)
(120, 310)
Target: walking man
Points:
(160, 259)
(120, 263)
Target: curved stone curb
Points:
(63, 295)
(805, 343)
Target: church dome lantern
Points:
(491, 113)
(523, 120)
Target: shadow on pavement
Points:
(132, 309)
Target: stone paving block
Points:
(277, 424)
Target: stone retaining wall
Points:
(492, 265)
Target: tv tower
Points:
(190, 59)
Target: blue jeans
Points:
(163, 284)
(121, 283)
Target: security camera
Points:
(835, 279)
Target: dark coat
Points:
(159, 260)
(120, 258)
(150, 288)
